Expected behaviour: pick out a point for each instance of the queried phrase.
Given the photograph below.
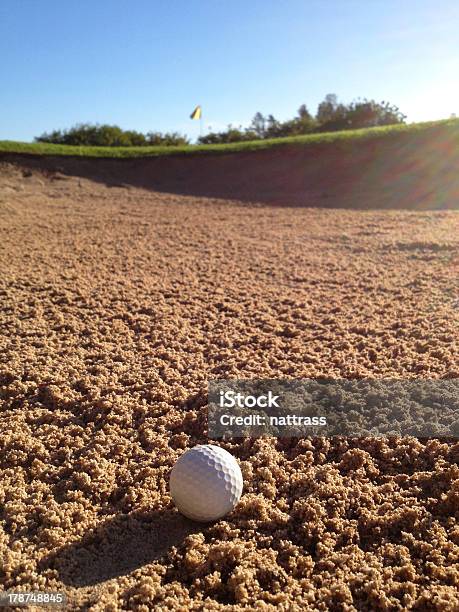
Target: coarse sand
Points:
(118, 303)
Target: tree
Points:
(332, 116)
(258, 125)
(368, 113)
(328, 109)
(273, 127)
(304, 114)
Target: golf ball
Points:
(206, 483)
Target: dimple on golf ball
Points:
(206, 483)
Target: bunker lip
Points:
(412, 170)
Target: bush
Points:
(86, 134)
(232, 134)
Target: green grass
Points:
(349, 136)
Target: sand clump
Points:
(119, 303)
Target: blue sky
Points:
(145, 64)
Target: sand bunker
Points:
(118, 304)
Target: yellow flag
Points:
(196, 114)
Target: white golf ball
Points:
(206, 483)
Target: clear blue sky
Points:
(145, 64)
